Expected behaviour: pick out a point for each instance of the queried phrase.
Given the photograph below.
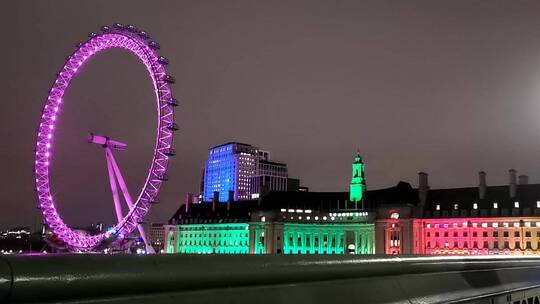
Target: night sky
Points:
(445, 87)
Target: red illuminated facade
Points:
(465, 221)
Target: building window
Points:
(485, 244)
(506, 245)
(465, 233)
(505, 233)
(495, 234)
(484, 234)
(438, 207)
(475, 206)
(455, 234)
(465, 245)
(527, 234)
(537, 204)
(428, 234)
(436, 234)
(475, 244)
(446, 234)
(496, 245)
(495, 205)
(516, 204)
(529, 245)
(456, 206)
(517, 245)
(516, 233)
(475, 234)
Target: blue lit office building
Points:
(229, 168)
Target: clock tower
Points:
(358, 183)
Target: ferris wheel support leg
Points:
(114, 189)
(127, 197)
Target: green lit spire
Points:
(358, 183)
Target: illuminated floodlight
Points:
(119, 37)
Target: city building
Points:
(395, 220)
(156, 236)
(278, 223)
(477, 220)
(245, 170)
(270, 176)
(20, 240)
(229, 168)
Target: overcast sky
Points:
(445, 87)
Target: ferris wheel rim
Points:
(137, 43)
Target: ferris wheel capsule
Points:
(143, 34)
(169, 79)
(118, 26)
(154, 45)
(163, 60)
(173, 102)
(132, 28)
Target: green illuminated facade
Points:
(273, 238)
(230, 238)
(279, 222)
(358, 183)
(328, 239)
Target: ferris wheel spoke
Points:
(119, 178)
(123, 187)
(114, 189)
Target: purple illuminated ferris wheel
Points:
(137, 42)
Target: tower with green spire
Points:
(358, 183)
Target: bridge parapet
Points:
(267, 279)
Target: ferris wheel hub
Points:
(106, 142)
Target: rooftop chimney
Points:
(513, 183)
(189, 199)
(230, 200)
(523, 179)
(482, 186)
(423, 187)
(215, 200)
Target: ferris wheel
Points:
(137, 42)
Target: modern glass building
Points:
(229, 168)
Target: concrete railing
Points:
(264, 279)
